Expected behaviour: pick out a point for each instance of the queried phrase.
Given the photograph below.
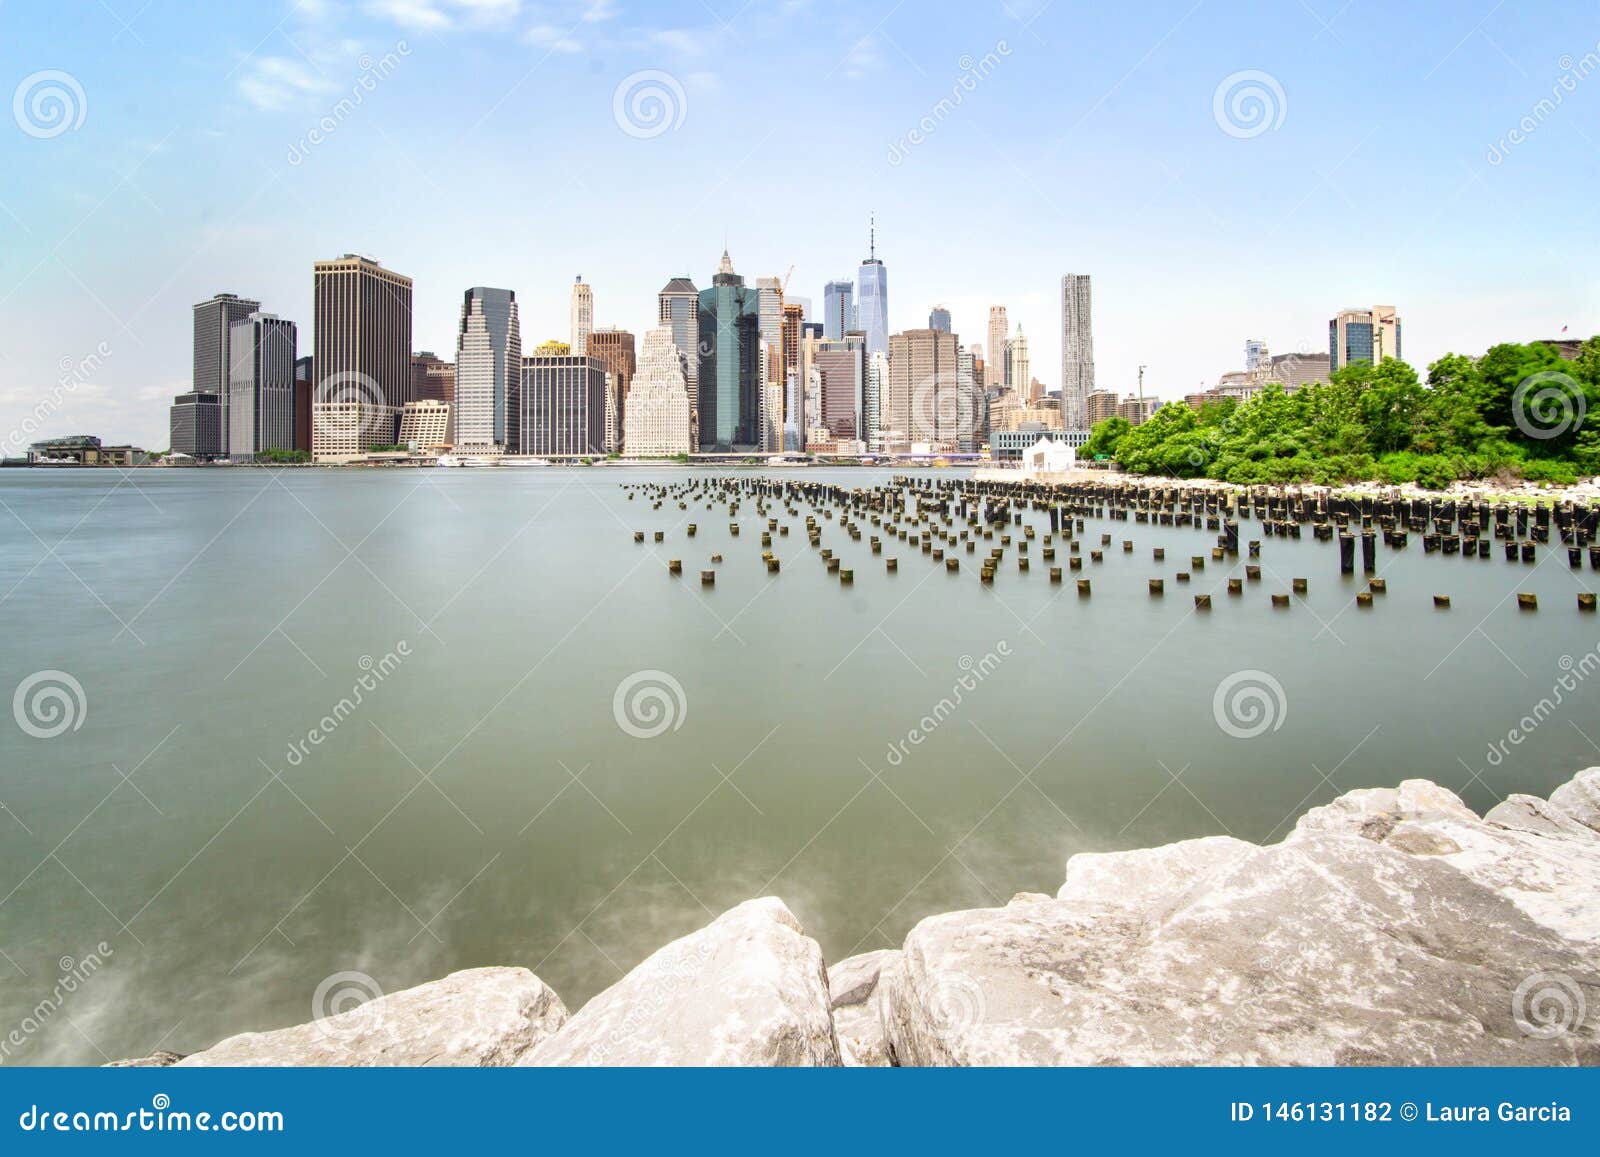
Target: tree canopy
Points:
(1519, 411)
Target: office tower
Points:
(730, 363)
(432, 378)
(656, 418)
(1295, 370)
(793, 376)
(922, 405)
(1255, 356)
(213, 328)
(563, 403)
(582, 316)
(841, 369)
(1363, 335)
(678, 308)
(260, 406)
(774, 369)
(939, 319)
(304, 389)
(1019, 370)
(877, 381)
(1077, 350)
(872, 299)
(615, 348)
(196, 425)
(425, 424)
(362, 313)
(488, 373)
(999, 334)
(838, 309)
(970, 409)
(1005, 375)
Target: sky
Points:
(1224, 171)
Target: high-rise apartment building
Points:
(999, 334)
(793, 376)
(260, 406)
(730, 363)
(1256, 357)
(838, 309)
(1077, 350)
(842, 369)
(362, 314)
(487, 409)
(582, 316)
(971, 412)
(563, 404)
(213, 329)
(877, 383)
(872, 298)
(1363, 335)
(656, 419)
(923, 398)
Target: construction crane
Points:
(785, 287)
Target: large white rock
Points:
(1392, 927)
(1579, 798)
(747, 989)
(479, 1017)
(857, 1017)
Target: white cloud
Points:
(275, 82)
(421, 14)
(550, 37)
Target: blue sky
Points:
(490, 149)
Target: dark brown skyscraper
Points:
(363, 356)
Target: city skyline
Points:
(207, 178)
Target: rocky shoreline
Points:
(1392, 926)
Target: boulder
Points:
(1579, 798)
(857, 1017)
(159, 1059)
(480, 1017)
(747, 989)
(1392, 927)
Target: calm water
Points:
(482, 804)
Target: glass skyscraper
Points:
(838, 309)
(730, 363)
(872, 300)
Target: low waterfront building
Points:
(425, 425)
(84, 450)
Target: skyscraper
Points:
(656, 418)
(1256, 357)
(213, 328)
(872, 392)
(838, 309)
(1077, 351)
(563, 404)
(1363, 335)
(842, 369)
(615, 349)
(678, 308)
(260, 408)
(582, 316)
(971, 413)
(924, 380)
(794, 393)
(872, 308)
(774, 367)
(362, 314)
(1021, 372)
(994, 372)
(939, 319)
(488, 409)
(730, 363)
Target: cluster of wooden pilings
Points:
(945, 518)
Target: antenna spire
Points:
(872, 237)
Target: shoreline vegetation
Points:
(1515, 415)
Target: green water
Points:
(482, 804)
